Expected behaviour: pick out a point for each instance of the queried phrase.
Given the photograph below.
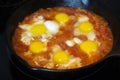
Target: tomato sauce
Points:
(66, 32)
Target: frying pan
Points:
(38, 73)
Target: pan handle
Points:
(115, 54)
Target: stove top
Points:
(111, 69)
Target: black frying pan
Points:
(39, 73)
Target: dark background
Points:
(110, 71)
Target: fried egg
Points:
(61, 57)
(87, 29)
(88, 46)
(62, 17)
(64, 59)
(39, 28)
(37, 47)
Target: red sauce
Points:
(103, 35)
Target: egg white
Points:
(52, 26)
(81, 19)
(90, 35)
(26, 37)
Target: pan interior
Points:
(33, 5)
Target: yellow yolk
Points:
(36, 47)
(61, 17)
(60, 57)
(38, 29)
(88, 46)
(85, 27)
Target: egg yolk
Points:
(88, 46)
(60, 57)
(62, 17)
(36, 47)
(38, 29)
(85, 27)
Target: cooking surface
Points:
(111, 70)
